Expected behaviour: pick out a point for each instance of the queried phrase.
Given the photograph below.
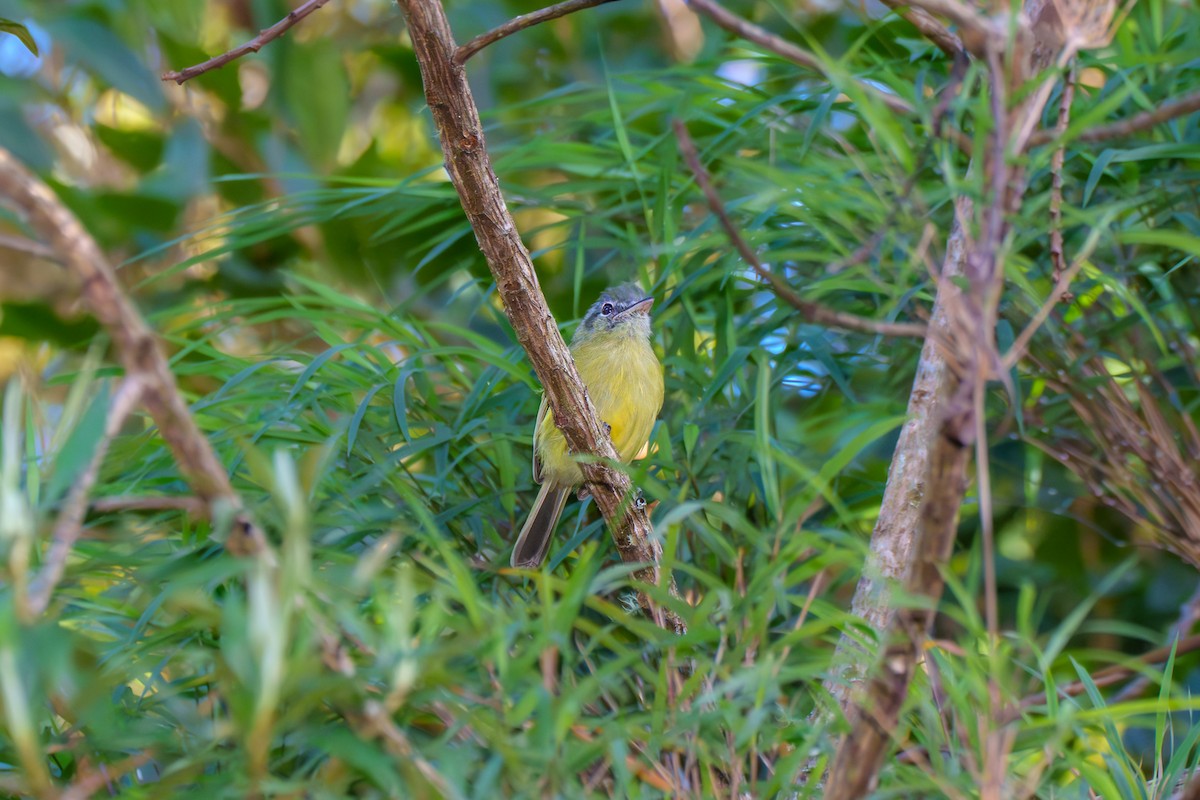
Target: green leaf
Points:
(1174, 240)
(691, 432)
(21, 32)
(79, 447)
(103, 52)
(316, 93)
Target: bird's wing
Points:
(537, 462)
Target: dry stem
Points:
(1180, 107)
(929, 26)
(19, 244)
(1057, 257)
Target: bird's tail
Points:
(534, 540)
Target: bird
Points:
(624, 379)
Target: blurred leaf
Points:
(99, 49)
(21, 32)
(316, 95)
(77, 449)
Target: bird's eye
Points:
(606, 309)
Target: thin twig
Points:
(1180, 107)
(781, 47)
(465, 51)
(815, 312)
(29, 247)
(253, 46)
(375, 722)
(1189, 615)
(192, 505)
(1114, 673)
(929, 26)
(976, 31)
(1021, 343)
(70, 520)
(985, 277)
(1057, 257)
(90, 782)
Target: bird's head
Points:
(621, 311)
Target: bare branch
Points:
(954, 10)
(192, 505)
(784, 49)
(20, 244)
(1116, 672)
(1061, 285)
(1180, 107)
(815, 312)
(929, 26)
(90, 782)
(70, 520)
(1189, 615)
(861, 751)
(136, 345)
(253, 46)
(463, 52)
(466, 159)
(1057, 257)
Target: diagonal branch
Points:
(190, 505)
(253, 46)
(1180, 107)
(929, 26)
(464, 52)
(1062, 282)
(1114, 673)
(469, 165)
(19, 244)
(136, 345)
(70, 520)
(784, 49)
(815, 312)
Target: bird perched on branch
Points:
(612, 352)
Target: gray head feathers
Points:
(624, 308)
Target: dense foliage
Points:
(284, 223)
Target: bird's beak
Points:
(640, 307)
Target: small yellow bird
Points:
(612, 352)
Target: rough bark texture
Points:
(467, 161)
(970, 357)
(893, 539)
(856, 764)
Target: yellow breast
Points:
(625, 382)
